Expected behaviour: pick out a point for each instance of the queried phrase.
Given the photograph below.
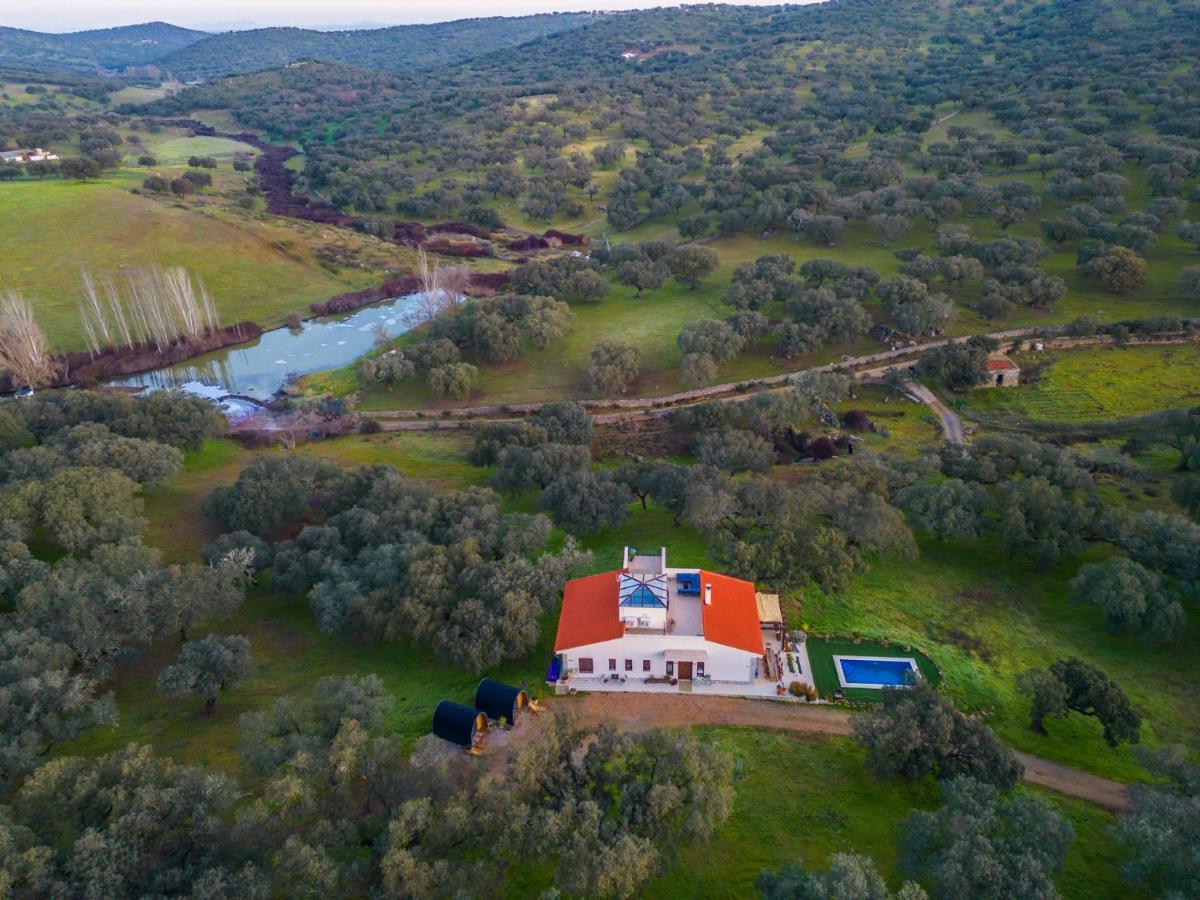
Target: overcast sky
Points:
(222, 15)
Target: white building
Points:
(647, 624)
(32, 154)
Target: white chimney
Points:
(708, 595)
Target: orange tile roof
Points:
(1000, 364)
(732, 617)
(589, 612)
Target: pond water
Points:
(259, 368)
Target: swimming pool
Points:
(875, 671)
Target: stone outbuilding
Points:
(1002, 372)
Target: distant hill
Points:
(91, 51)
(398, 49)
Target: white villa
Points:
(22, 156)
(648, 626)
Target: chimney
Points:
(708, 595)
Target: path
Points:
(642, 712)
(951, 424)
(870, 366)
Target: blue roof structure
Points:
(633, 592)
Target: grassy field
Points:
(255, 269)
(902, 427)
(1097, 384)
(178, 149)
(982, 618)
(802, 798)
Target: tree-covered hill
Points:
(397, 49)
(89, 51)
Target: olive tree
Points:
(917, 732)
(206, 667)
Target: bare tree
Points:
(454, 283)
(151, 306)
(442, 287)
(23, 352)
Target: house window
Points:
(612, 665)
(699, 668)
(585, 664)
(629, 665)
(670, 667)
(645, 665)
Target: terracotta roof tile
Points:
(589, 612)
(1000, 364)
(732, 618)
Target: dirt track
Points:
(642, 712)
(951, 424)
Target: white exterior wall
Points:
(722, 663)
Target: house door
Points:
(685, 671)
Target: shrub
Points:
(857, 420)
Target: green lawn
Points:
(822, 650)
(50, 230)
(982, 618)
(1096, 385)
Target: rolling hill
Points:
(200, 56)
(89, 51)
(397, 49)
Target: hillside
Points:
(397, 49)
(85, 51)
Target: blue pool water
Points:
(877, 671)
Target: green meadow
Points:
(172, 150)
(254, 268)
(1097, 385)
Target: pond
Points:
(259, 368)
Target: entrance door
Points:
(685, 671)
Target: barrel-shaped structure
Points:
(499, 700)
(458, 724)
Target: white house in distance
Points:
(22, 156)
(649, 626)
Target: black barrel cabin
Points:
(458, 724)
(500, 701)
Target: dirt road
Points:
(642, 712)
(951, 424)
